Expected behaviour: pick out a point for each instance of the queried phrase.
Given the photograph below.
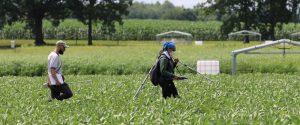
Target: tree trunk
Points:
(272, 32)
(38, 31)
(246, 37)
(90, 42)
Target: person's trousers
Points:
(168, 89)
(60, 92)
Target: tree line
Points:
(106, 12)
(166, 10)
(33, 12)
(263, 16)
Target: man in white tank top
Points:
(59, 89)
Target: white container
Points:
(208, 67)
(199, 43)
(12, 44)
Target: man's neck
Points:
(56, 51)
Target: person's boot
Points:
(177, 96)
(50, 99)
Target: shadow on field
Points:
(53, 44)
(103, 44)
(8, 46)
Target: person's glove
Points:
(182, 78)
(176, 60)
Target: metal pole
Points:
(233, 64)
(146, 77)
(143, 82)
(142, 85)
(284, 50)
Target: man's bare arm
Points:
(53, 73)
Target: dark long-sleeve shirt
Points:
(166, 68)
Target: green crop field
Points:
(132, 57)
(245, 99)
(131, 30)
(264, 91)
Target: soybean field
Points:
(264, 91)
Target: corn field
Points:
(130, 30)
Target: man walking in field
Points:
(167, 65)
(59, 89)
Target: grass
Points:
(134, 58)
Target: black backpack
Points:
(155, 73)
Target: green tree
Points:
(166, 10)
(168, 5)
(295, 8)
(189, 14)
(8, 15)
(144, 11)
(174, 14)
(272, 14)
(236, 14)
(264, 15)
(34, 11)
(205, 14)
(108, 12)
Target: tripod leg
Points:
(143, 83)
(141, 87)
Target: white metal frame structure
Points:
(174, 34)
(249, 49)
(295, 35)
(244, 33)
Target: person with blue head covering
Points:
(167, 66)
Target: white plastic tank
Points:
(199, 43)
(208, 67)
(12, 44)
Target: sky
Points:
(185, 3)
